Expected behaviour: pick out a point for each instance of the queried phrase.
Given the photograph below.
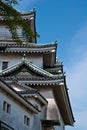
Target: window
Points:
(6, 107)
(26, 120)
(4, 65)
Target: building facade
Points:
(33, 72)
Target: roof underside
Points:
(62, 100)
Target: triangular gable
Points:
(25, 68)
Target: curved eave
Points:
(44, 82)
(63, 102)
(37, 82)
(27, 13)
(24, 15)
(26, 44)
(28, 47)
(28, 17)
(28, 50)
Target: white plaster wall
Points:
(36, 59)
(62, 126)
(42, 108)
(48, 94)
(35, 102)
(16, 118)
(13, 59)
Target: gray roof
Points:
(27, 47)
(32, 67)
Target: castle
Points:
(33, 90)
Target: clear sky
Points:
(66, 22)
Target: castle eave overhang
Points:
(28, 48)
(36, 81)
(25, 15)
(4, 86)
(28, 15)
(63, 102)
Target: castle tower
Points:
(36, 66)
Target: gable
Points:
(22, 70)
(25, 68)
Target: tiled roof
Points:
(26, 91)
(32, 67)
(28, 47)
(25, 15)
(37, 81)
(55, 70)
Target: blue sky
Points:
(66, 22)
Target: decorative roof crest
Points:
(24, 59)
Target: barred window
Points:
(26, 120)
(6, 107)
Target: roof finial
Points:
(24, 55)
